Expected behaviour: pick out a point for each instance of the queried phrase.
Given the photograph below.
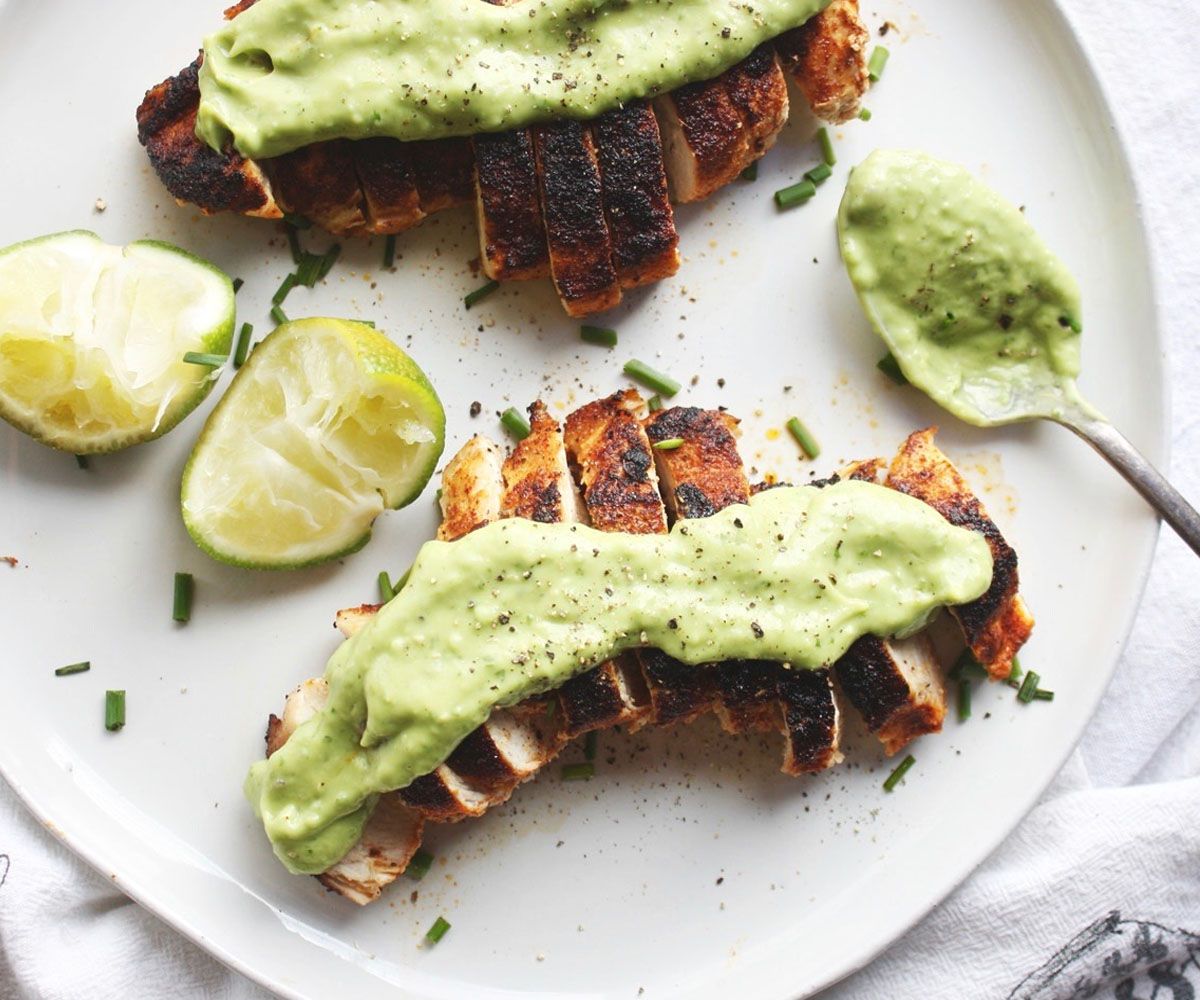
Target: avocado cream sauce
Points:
(977, 310)
(286, 73)
(517, 608)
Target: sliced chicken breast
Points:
(997, 624)
(704, 138)
(758, 89)
(827, 58)
(391, 836)
(444, 173)
(633, 178)
(389, 185)
(319, 182)
(193, 173)
(512, 238)
(577, 240)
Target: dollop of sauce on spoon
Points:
(977, 310)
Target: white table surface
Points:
(73, 935)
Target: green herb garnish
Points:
(639, 371)
(898, 774)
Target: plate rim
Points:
(141, 890)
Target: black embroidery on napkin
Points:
(1122, 960)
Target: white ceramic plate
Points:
(689, 866)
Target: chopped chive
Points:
(826, 144)
(1015, 672)
(386, 593)
(389, 251)
(81, 461)
(237, 285)
(297, 221)
(437, 931)
(751, 172)
(808, 444)
(243, 345)
(482, 292)
(185, 588)
(578, 772)
(664, 385)
(419, 865)
(515, 423)
(820, 173)
(668, 444)
(327, 261)
(891, 368)
(281, 293)
(864, 114)
(797, 194)
(589, 745)
(308, 269)
(967, 666)
(1041, 694)
(897, 775)
(964, 699)
(114, 710)
(654, 403)
(399, 584)
(73, 668)
(205, 360)
(876, 63)
(293, 238)
(278, 315)
(366, 322)
(599, 335)
(1028, 687)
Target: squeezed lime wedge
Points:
(92, 338)
(327, 425)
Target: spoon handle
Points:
(1142, 476)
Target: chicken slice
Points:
(827, 58)
(537, 479)
(997, 624)
(192, 172)
(391, 836)
(614, 464)
(641, 222)
(319, 182)
(812, 720)
(611, 457)
(351, 621)
(700, 477)
(577, 239)
(758, 89)
(704, 139)
(472, 488)
(896, 684)
(389, 186)
(705, 473)
(512, 238)
(444, 172)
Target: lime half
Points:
(92, 338)
(326, 426)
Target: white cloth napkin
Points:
(1098, 891)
